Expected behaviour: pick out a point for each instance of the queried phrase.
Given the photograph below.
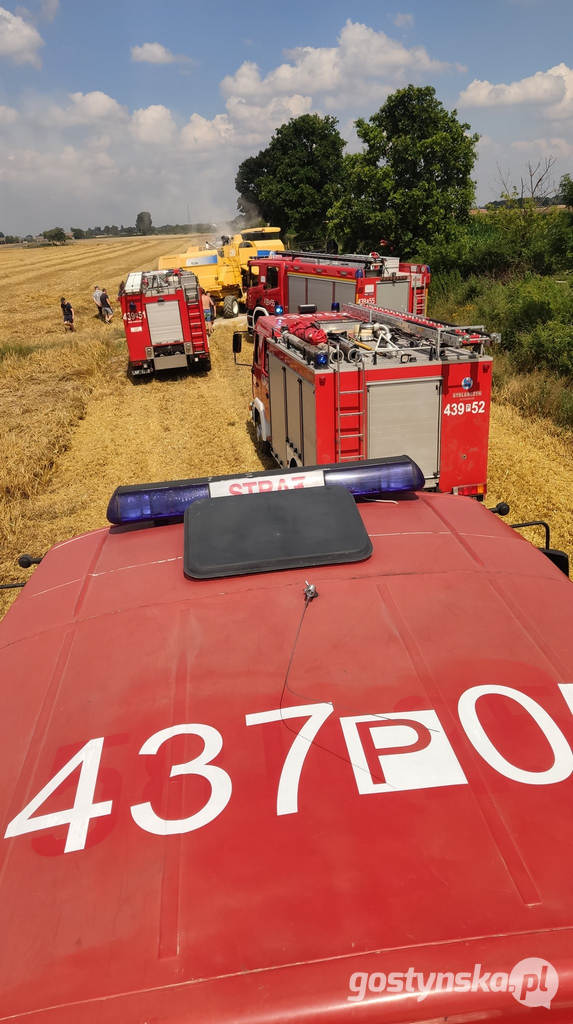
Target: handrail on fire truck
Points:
(352, 259)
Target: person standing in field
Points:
(106, 310)
(208, 307)
(68, 314)
(97, 300)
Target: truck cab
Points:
(288, 746)
(284, 282)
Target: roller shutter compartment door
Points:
(296, 292)
(164, 321)
(393, 295)
(320, 293)
(345, 291)
(308, 424)
(404, 419)
(278, 407)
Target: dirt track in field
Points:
(173, 427)
(69, 414)
(170, 427)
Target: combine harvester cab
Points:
(283, 282)
(164, 322)
(369, 383)
(272, 755)
(223, 270)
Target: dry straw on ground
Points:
(72, 427)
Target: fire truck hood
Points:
(225, 803)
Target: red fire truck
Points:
(354, 810)
(164, 322)
(287, 281)
(368, 383)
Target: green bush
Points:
(511, 239)
(548, 346)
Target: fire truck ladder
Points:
(360, 397)
(420, 296)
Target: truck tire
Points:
(230, 307)
(264, 446)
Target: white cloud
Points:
(19, 41)
(556, 146)
(87, 108)
(155, 53)
(153, 124)
(542, 88)
(49, 9)
(403, 20)
(200, 134)
(362, 54)
(260, 120)
(8, 115)
(564, 107)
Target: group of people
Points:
(101, 299)
(105, 312)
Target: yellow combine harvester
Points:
(222, 270)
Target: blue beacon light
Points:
(153, 503)
(279, 310)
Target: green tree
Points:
(143, 223)
(566, 190)
(248, 183)
(293, 182)
(412, 182)
(78, 232)
(55, 235)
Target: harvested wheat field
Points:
(72, 427)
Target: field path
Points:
(168, 428)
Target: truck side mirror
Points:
(237, 342)
(559, 558)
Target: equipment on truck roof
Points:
(368, 383)
(164, 322)
(352, 809)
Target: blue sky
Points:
(111, 109)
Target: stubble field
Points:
(72, 427)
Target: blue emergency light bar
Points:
(369, 479)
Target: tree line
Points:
(410, 185)
(142, 226)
